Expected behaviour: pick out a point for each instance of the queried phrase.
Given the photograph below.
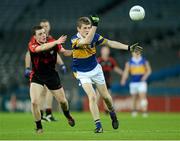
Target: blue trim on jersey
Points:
(137, 77)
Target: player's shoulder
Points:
(74, 38)
(50, 38)
(32, 41)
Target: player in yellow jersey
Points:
(139, 69)
(88, 71)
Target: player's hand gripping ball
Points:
(137, 13)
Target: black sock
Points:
(38, 124)
(42, 112)
(48, 111)
(66, 113)
(113, 115)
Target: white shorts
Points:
(138, 87)
(94, 76)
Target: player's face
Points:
(46, 26)
(40, 36)
(84, 30)
(136, 53)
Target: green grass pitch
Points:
(158, 126)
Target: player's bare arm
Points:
(116, 45)
(47, 46)
(118, 70)
(148, 71)
(65, 52)
(27, 60)
(59, 60)
(88, 39)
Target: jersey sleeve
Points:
(32, 46)
(99, 40)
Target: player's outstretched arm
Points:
(65, 52)
(50, 45)
(118, 45)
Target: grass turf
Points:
(158, 126)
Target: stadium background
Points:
(158, 33)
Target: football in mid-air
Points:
(137, 13)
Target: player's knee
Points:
(34, 103)
(63, 101)
(93, 98)
(144, 103)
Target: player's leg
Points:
(42, 105)
(61, 99)
(134, 97)
(98, 101)
(102, 88)
(35, 91)
(143, 98)
(55, 87)
(49, 100)
(109, 102)
(88, 88)
(143, 103)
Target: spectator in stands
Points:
(139, 69)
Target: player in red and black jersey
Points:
(108, 64)
(43, 53)
(46, 97)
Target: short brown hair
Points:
(44, 21)
(37, 27)
(83, 20)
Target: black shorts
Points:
(52, 81)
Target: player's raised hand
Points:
(61, 39)
(94, 19)
(135, 47)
